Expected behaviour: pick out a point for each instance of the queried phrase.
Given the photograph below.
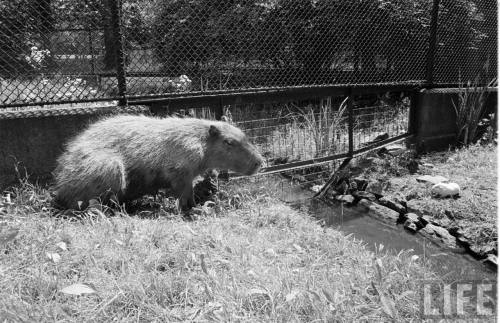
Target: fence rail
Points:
(56, 51)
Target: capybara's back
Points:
(124, 157)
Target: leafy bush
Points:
(23, 25)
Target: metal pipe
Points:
(116, 14)
(350, 123)
(431, 53)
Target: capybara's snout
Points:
(255, 163)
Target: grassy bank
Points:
(474, 213)
(261, 262)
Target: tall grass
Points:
(471, 107)
(323, 124)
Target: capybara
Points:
(122, 158)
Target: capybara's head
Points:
(229, 148)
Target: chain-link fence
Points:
(55, 51)
(466, 45)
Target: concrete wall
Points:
(36, 142)
(434, 117)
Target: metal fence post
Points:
(431, 52)
(219, 110)
(350, 124)
(116, 15)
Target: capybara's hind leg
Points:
(111, 184)
(98, 177)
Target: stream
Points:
(449, 265)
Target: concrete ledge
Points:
(34, 143)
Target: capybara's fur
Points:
(122, 158)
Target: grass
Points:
(320, 129)
(470, 107)
(474, 213)
(263, 261)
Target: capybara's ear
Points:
(214, 131)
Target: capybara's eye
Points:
(228, 142)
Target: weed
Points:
(322, 124)
(470, 108)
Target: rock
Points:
(412, 217)
(481, 250)
(382, 151)
(364, 195)
(360, 183)
(410, 226)
(376, 187)
(445, 189)
(428, 179)
(316, 188)
(379, 211)
(392, 204)
(349, 199)
(411, 196)
(365, 162)
(415, 206)
(330, 194)
(491, 260)
(398, 199)
(412, 222)
(441, 234)
(342, 187)
(425, 219)
(428, 165)
(464, 241)
(395, 150)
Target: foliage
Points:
(470, 108)
(310, 35)
(196, 33)
(462, 30)
(324, 124)
(20, 24)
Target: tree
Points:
(23, 25)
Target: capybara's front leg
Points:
(186, 201)
(182, 187)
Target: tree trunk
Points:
(110, 59)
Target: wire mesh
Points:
(242, 44)
(386, 118)
(295, 131)
(51, 51)
(294, 134)
(308, 130)
(466, 41)
(60, 51)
